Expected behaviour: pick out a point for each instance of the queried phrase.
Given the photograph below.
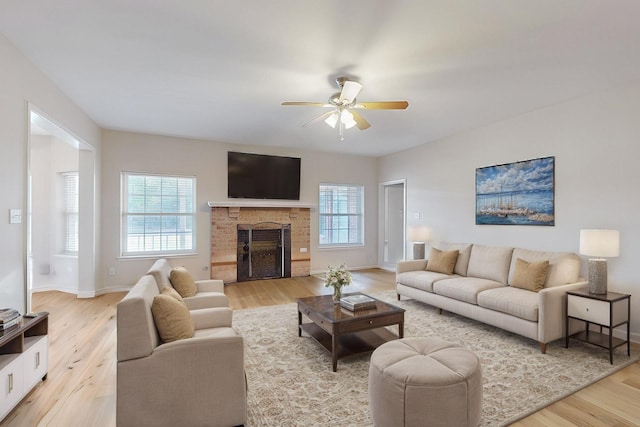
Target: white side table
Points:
(609, 311)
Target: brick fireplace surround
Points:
(225, 217)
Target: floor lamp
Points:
(600, 244)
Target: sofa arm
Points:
(210, 285)
(212, 317)
(411, 265)
(206, 300)
(552, 311)
(195, 381)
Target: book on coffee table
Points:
(356, 302)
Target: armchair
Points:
(210, 292)
(196, 381)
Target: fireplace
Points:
(264, 251)
(276, 235)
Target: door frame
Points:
(87, 238)
(382, 209)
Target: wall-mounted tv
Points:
(259, 176)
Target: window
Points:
(341, 215)
(158, 214)
(70, 212)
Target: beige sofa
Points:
(196, 381)
(481, 288)
(210, 292)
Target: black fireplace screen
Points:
(264, 251)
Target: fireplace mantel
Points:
(261, 204)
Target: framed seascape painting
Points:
(520, 193)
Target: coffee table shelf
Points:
(343, 332)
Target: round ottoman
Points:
(424, 382)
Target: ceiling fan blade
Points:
(350, 90)
(309, 104)
(384, 105)
(319, 118)
(360, 121)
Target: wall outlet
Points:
(112, 271)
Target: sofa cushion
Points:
(465, 289)
(530, 275)
(172, 318)
(514, 301)
(420, 279)
(183, 282)
(172, 293)
(464, 252)
(441, 261)
(564, 267)
(490, 262)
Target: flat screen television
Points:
(259, 176)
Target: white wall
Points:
(22, 83)
(596, 144)
(207, 160)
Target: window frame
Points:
(70, 212)
(125, 215)
(359, 215)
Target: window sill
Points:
(156, 256)
(329, 247)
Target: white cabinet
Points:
(24, 360)
(36, 360)
(12, 377)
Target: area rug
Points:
(291, 382)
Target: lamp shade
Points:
(600, 243)
(419, 234)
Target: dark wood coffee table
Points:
(343, 332)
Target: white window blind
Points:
(158, 215)
(70, 211)
(341, 215)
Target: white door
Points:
(394, 224)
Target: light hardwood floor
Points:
(80, 387)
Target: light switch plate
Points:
(15, 216)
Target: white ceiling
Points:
(218, 70)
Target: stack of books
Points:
(357, 302)
(8, 317)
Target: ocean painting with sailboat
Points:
(520, 193)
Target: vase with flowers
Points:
(336, 278)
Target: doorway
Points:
(393, 246)
(60, 210)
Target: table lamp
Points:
(600, 244)
(419, 236)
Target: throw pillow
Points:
(182, 281)
(172, 318)
(442, 261)
(168, 290)
(530, 275)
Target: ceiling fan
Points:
(343, 106)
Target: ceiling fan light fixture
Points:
(332, 120)
(346, 117)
